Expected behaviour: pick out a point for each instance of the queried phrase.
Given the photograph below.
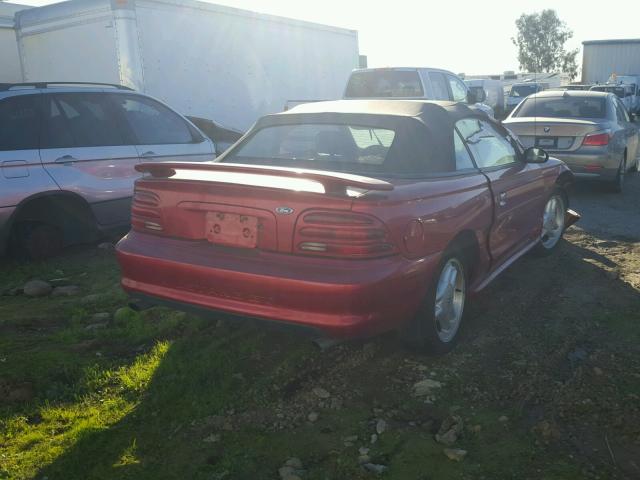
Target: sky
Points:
(461, 36)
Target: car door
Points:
(160, 133)
(21, 173)
(86, 151)
(630, 131)
(517, 187)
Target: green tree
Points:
(540, 41)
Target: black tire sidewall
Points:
(42, 241)
(540, 250)
(422, 331)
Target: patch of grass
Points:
(161, 394)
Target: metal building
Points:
(601, 58)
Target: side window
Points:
(621, 112)
(457, 89)
(152, 123)
(488, 146)
(439, 86)
(463, 159)
(79, 120)
(19, 123)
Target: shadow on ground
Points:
(232, 402)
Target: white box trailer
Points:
(205, 60)
(603, 58)
(10, 70)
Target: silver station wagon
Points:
(590, 131)
(67, 158)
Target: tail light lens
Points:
(342, 234)
(596, 140)
(145, 211)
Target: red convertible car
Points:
(349, 217)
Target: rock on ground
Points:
(375, 468)
(451, 428)
(424, 387)
(101, 317)
(66, 291)
(455, 454)
(321, 392)
(37, 288)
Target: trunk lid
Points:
(554, 134)
(239, 205)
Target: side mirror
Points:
(535, 155)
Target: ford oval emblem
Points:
(284, 210)
(547, 129)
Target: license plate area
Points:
(232, 229)
(547, 142)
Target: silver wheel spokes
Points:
(450, 296)
(552, 222)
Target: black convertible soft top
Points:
(424, 128)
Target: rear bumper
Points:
(583, 164)
(341, 298)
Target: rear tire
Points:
(636, 165)
(617, 186)
(37, 241)
(553, 223)
(436, 326)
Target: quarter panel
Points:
(444, 206)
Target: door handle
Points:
(148, 153)
(66, 160)
(502, 199)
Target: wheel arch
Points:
(66, 210)
(565, 181)
(466, 242)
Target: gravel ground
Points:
(609, 215)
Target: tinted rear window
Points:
(384, 83)
(80, 120)
(522, 90)
(337, 147)
(19, 123)
(564, 107)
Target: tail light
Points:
(596, 140)
(145, 211)
(342, 234)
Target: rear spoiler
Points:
(334, 183)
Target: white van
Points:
(412, 84)
(494, 92)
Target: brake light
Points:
(342, 234)
(145, 211)
(596, 140)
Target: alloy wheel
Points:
(552, 222)
(450, 298)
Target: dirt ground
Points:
(545, 383)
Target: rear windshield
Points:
(384, 83)
(564, 107)
(618, 91)
(522, 90)
(335, 147)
